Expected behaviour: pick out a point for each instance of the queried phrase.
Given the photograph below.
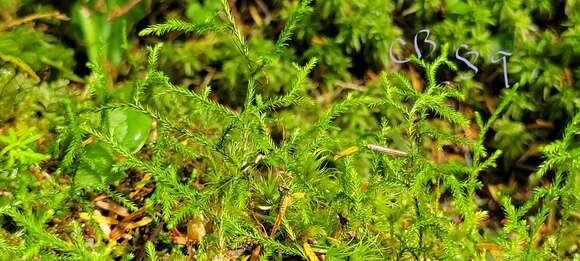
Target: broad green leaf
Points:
(95, 165)
(129, 127)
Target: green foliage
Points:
(104, 28)
(178, 25)
(260, 129)
(31, 50)
(16, 149)
(151, 251)
(562, 160)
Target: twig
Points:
(264, 8)
(120, 11)
(262, 229)
(21, 64)
(208, 77)
(30, 18)
(388, 151)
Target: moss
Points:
(282, 130)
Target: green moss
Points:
(283, 129)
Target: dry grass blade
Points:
(143, 222)
(256, 253)
(255, 16)
(127, 224)
(309, 253)
(121, 211)
(178, 238)
(140, 185)
(283, 205)
(98, 218)
(346, 152)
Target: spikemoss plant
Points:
(225, 185)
